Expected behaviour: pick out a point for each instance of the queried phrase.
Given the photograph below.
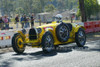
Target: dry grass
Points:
(12, 24)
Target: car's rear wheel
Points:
(47, 42)
(17, 44)
(80, 37)
(62, 32)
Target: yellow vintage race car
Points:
(49, 36)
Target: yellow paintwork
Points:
(23, 36)
(52, 28)
(18, 43)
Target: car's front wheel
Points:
(80, 37)
(47, 42)
(17, 44)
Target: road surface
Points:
(66, 56)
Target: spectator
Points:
(1, 23)
(25, 21)
(6, 22)
(16, 20)
(22, 21)
(28, 24)
(32, 20)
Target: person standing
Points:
(1, 23)
(6, 22)
(28, 24)
(22, 21)
(32, 20)
(25, 21)
(16, 20)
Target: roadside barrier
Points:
(92, 26)
(96, 26)
(99, 25)
(6, 37)
(89, 27)
(1, 38)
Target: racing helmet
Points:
(58, 17)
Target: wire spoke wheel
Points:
(62, 32)
(47, 42)
(80, 37)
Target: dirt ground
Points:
(90, 37)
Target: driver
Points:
(58, 18)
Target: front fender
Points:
(49, 29)
(23, 36)
(77, 28)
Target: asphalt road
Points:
(66, 56)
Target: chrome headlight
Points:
(39, 30)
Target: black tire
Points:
(47, 46)
(15, 44)
(80, 37)
(56, 47)
(62, 32)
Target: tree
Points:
(49, 8)
(36, 6)
(91, 7)
(60, 5)
(6, 6)
(19, 10)
(82, 10)
(70, 4)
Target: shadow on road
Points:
(31, 56)
(34, 56)
(39, 55)
(62, 49)
(1, 53)
(85, 49)
(5, 64)
(90, 47)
